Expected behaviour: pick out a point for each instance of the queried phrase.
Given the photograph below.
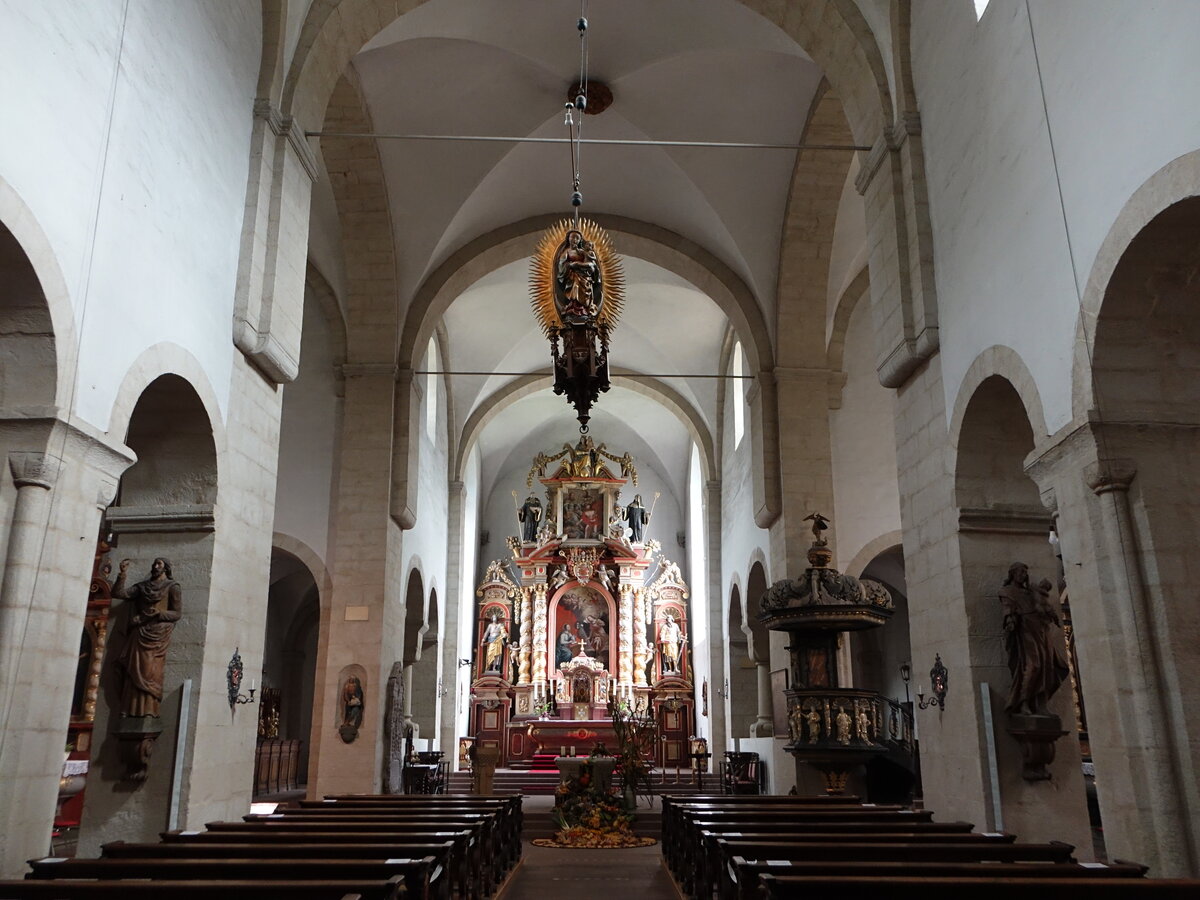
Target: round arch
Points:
(643, 240)
(872, 549)
(1178, 180)
(604, 594)
(18, 219)
(832, 32)
(525, 385)
(1006, 363)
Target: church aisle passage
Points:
(547, 873)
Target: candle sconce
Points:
(939, 681)
(723, 691)
(233, 681)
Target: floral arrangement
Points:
(637, 737)
(591, 818)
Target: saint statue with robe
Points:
(157, 605)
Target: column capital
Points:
(1109, 475)
(32, 469)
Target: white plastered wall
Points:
(167, 213)
(1121, 89)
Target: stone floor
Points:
(549, 874)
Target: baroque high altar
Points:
(591, 614)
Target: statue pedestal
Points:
(1036, 734)
(483, 770)
(136, 736)
(601, 766)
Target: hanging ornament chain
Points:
(575, 111)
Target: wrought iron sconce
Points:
(233, 681)
(939, 681)
(442, 691)
(723, 692)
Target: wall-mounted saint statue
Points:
(638, 518)
(352, 708)
(157, 605)
(1037, 656)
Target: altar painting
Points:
(583, 514)
(582, 614)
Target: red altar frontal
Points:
(586, 613)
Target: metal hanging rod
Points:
(634, 375)
(620, 142)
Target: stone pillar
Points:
(523, 657)
(353, 633)
(410, 726)
(55, 501)
(764, 725)
(718, 723)
(539, 636)
(625, 640)
(639, 637)
(33, 476)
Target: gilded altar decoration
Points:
(582, 617)
(577, 289)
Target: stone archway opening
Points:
(743, 686)
(28, 376)
(289, 676)
(164, 510)
(425, 699)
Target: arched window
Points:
(980, 6)
(431, 366)
(738, 395)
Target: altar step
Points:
(512, 781)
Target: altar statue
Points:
(157, 605)
(670, 638)
(530, 515)
(1037, 656)
(495, 636)
(638, 517)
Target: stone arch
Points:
(1174, 182)
(322, 292)
(525, 385)
(37, 320)
(878, 652)
(756, 585)
(291, 646)
(165, 508)
(415, 625)
(165, 359)
(872, 549)
(1005, 363)
(833, 33)
(425, 669)
(643, 240)
(742, 701)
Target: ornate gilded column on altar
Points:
(526, 615)
(625, 645)
(539, 634)
(639, 637)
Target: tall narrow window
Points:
(980, 6)
(737, 396)
(431, 381)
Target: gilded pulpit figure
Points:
(1037, 656)
(157, 606)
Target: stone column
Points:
(625, 641)
(718, 724)
(33, 474)
(639, 637)
(523, 657)
(448, 632)
(409, 724)
(764, 725)
(539, 635)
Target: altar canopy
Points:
(586, 611)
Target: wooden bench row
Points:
(371, 848)
(743, 848)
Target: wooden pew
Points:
(220, 889)
(467, 859)
(808, 887)
(443, 852)
(740, 878)
(506, 816)
(683, 841)
(716, 847)
(422, 878)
